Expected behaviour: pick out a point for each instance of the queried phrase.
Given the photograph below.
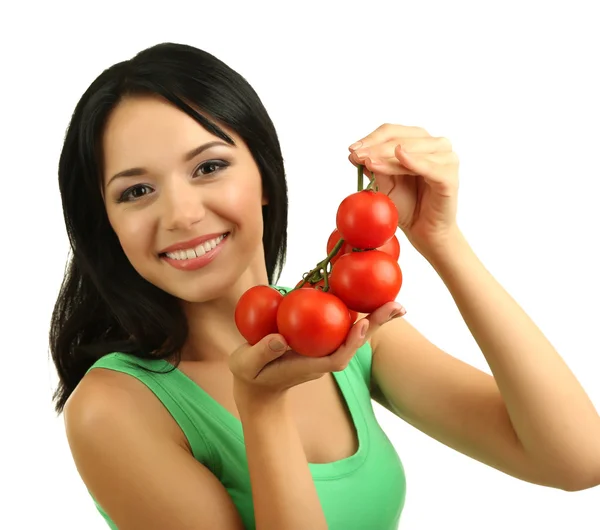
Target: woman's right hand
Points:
(270, 367)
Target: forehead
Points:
(147, 130)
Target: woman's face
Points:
(185, 205)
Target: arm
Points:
(283, 490)
(532, 420)
(136, 463)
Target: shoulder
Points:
(108, 404)
(132, 459)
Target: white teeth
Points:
(198, 251)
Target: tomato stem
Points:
(372, 183)
(320, 272)
(361, 185)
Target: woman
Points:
(175, 203)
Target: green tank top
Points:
(365, 491)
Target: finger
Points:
(262, 353)
(409, 145)
(389, 131)
(383, 315)
(385, 166)
(441, 168)
(434, 166)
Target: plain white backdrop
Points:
(513, 84)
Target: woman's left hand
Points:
(420, 174)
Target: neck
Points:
(213, 335)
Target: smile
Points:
(196, 252)
(192, 259)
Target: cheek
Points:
(243, 205)
(134, 231)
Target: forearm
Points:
(552, 416)
(283, 490)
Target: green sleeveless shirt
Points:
(365, 491)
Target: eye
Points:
(209, 167)
(134, 193)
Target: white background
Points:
(514, 85)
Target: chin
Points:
(201, 289)
(214, 282)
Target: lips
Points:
(197, 251)
(192, 243)
(196, 258)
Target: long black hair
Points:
(104, 305)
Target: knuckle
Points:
(453, 158)
(445, 142)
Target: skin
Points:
(134, 458)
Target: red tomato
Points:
(256, 313)
(367, 219)
(353, 316)
(391, 247)
(366, 280)
(314, 323)
(332, 242)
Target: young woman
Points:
(175, 202)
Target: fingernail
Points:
(361, 154)
(397, 313)
(276, 345)
(363, 329)
(355, 146)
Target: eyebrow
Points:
(139, 171)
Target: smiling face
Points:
(185, 205)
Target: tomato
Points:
(391, 247)
(367, 219)
(313, 322)
(366, 280)
(256, 313)
(332, 242)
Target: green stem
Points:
(360, 178)
(372, 183)
(320, 271)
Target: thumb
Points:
(269, 348)
(248, 360)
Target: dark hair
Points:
(104, 305)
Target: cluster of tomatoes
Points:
(359, 274)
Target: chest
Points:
(318, 407)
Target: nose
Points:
(182, 206)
